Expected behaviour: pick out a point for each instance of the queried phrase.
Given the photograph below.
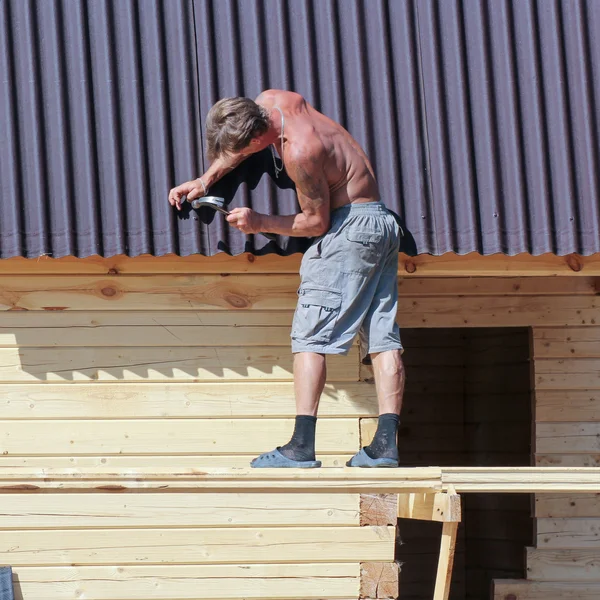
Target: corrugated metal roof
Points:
(480, 117)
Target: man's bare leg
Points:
(310, 373)
(388, 369)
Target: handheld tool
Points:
(217, 203)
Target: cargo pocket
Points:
(364, 251)
(317, 313)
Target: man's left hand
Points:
(245, 219)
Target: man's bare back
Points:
(347, 169)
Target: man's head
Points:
(234, 124)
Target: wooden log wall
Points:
(564, 561)
(175, 363)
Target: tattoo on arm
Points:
(311, 185)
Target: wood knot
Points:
(510, 597)
(410, 266)
(251, 258)
(108, 291)
(237, 301)
(113, 271)
(574, 263)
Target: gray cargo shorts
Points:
(349, 284)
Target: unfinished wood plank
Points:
(424, 265)
(504, 311)
(168, 436)
(145, 328)
(568, 533)
(378, 509)
(441, 507)
(236, 399)
(563, 565)
(567, 460)
(164, 463)
(568, 438)
(159, 292)
(519, 589)
(521, 479)
(160, 364)
(446, 561)
(567, 505)
(567, 405)
(238, 291)
(191, 582)
(237, 509)
(559, 342)
(567, 374)
(107, 479)
(379, 580)
(196, 546)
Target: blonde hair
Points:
(231, 124)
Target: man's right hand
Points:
(192, 189)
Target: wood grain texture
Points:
(378, 509)
(196, 546)
(442, 507)
(567, 405)
(425, 265)
(517, 589)
(168, 436)
(563, 565)
(235, 509)
(567, 460)
(568, 533)
(379, 580)
(567, 374)
(190, 582)
(228, 399)
(567, 505)
(568, 342)
(569, 438)
(173, 364)
(239, 291)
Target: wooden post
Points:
(446, 561)
(447, 547)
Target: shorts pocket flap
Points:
(320, 297)
(363, 237)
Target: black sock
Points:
(384, 444)
(302, 444)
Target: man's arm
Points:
(305, 168)
(194, 189)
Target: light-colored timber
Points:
(424, 265)
(446, 561)
(302, 480)
(379, 580)
(169, 436)
(522, 479)
(378, 509)
(580, 533)
(563, 565)
(518, 589)
(567, 505)
(228, 399)
(192, 582)
(222, 510)
(441, 507)
(247, 545)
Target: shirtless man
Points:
(348, 275)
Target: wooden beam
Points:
(567, 505)
(517, 589)
(446, 561)
(300, 480)
(191, 545)
(443, 507)
(522, 479)
(450, 264)
(316, 581)
(563, 565)
(379, 579)
(378, 509)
